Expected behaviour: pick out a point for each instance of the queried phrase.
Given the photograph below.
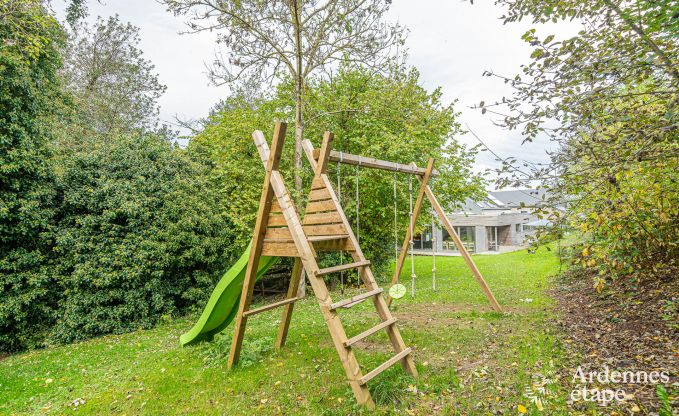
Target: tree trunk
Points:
(299, 133)
(299, 120)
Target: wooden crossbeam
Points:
(319, 238)
(393, 360)
(356, 299)
(270, 306)
(366, 334)
(370, 162)
(342, 267)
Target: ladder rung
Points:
(341, 267)
(356, 299)
(316, 238)
(270, 306)
(393, 360)
(369, 332)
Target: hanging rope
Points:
(433, 251)
(396, 291)
(358, 203)
(339, 199)
(412, 242)
(395, 226)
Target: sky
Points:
(450, 42)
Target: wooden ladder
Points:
(279, 232)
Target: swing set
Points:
(280, 231)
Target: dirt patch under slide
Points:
(631, 327)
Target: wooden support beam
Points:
(293, 292)
(393, 360)
(416, 212)
(462, 249)
(272, 163)
(369, 332)
(270, 306)
(323, 154)
(319, 238)
(369, 162)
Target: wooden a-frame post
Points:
(280, 232)
(425, 189)
(257, 242)
(462, 249)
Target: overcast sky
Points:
(450, 42)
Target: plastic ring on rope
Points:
(397, 291)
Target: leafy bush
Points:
(607, 98)
(138, 237)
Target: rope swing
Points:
(339, 198)
(433, 251)
(412, 242)
(397, 291)
(358, 203)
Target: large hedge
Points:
(138, 237)
(29, 60)
(98, 233)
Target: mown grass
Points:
(471, 360)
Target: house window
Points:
(519, 228)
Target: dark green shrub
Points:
(29, 60)
(139, 236)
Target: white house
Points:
(501, 222)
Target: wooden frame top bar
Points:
(369, 162)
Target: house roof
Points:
(502, 200)
(517, 198)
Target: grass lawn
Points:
(471, 360)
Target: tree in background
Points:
(29, 89)
(609, 98)
(390, 116)
(291, 39)
(113, 86)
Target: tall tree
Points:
(391, 116)
(29, 89)
(114, 86)
(268, 40)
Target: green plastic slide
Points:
(223, 304)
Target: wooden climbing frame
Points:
(280, 231)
